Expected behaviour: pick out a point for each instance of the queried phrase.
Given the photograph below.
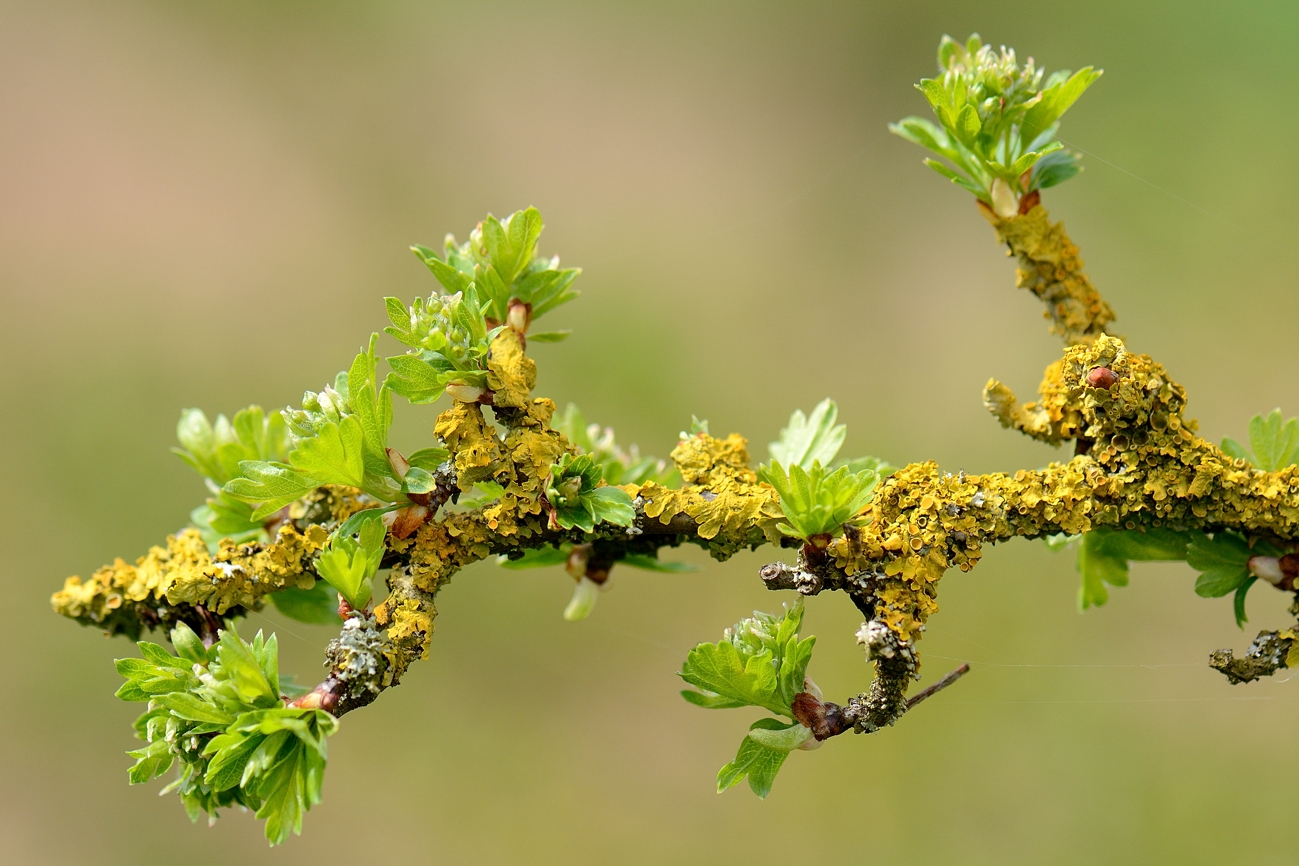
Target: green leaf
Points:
(316, 605)
(350, 565)
(1223, 561)
(194, 709)
(428, 459)
(720, 669)
(1098, 567)
(416, 379)
(611, 505)
(419, 481)
(451, 278)
(1054, 169)
(967, 124)
(511, 244)
(335, 454)
(353, 524)
(372, 409)
(1057, 99)
(754, 760)
(760, 662)
(1147, 545)
(189, 645)
(1104, 555)
(150, 762)
(817, 502)
(959, 179)
(710, 701)
(808, 439)
(784, 739)
(549, 336)
(653, 563)
(1275, 443)
(1239, 603)
(1235, 450)
(269, 486)
(920, 131)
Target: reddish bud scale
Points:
(1102, 377)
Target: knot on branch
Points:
(896, 665)
(358, 669)
(778, 575)
(1268, 653)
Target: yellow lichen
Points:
(118, 596)
(721, 493)
(1050, 268)
(510, 373)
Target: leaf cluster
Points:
(215, 451)
(448, 339)
(997, 121)
(617, 465)
(761, 662)
(1275, 443)
(219, 716)
(818, 502)
(499, 265)
(1222, 558)
(577, 499)
(351, 557)
(340, 436)
(815, 500)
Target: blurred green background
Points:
(202, 204)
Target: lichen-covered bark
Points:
(1137, 463)
(1050, 268)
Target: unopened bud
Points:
(1268, 568)
(583, 602)
(398, 463)
(519, 316)
(465, 393)
(1103, 378)
(1004, 200)
(577, 559)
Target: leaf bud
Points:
(399, 464)
(1004, 200)
(519, 316)
(583, 601)
(465, 393)
(1103, 378)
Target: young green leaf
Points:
(1223, 560)
(1104, 554)
(756, 761)
(576, 501)
(759, 662)
(316, 605)
(996, 122)
(228, 731)
(269, 486)
(335, 455)
(817, 502)
(1238, 605)
(1275, 442)
(349, 564)
(808, 439)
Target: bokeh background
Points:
(201, 204)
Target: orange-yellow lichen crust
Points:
(121, 597)
(1050, 268)
(1145, 468)
(721, 493)
(520, 462)
(1051, 419)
